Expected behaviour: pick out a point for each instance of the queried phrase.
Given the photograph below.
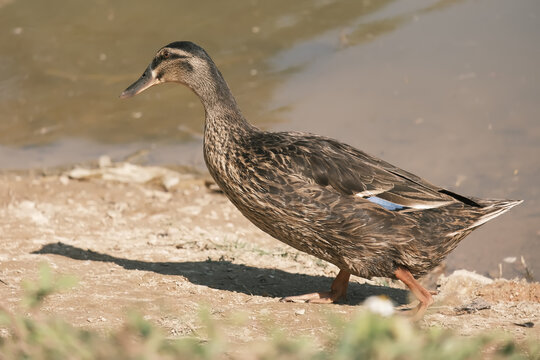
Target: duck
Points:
(319, 195)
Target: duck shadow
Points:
(224, 275)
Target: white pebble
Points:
(64, 180)
(104, 161)
(510, 259)
(379, 305)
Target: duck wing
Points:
(349, 171)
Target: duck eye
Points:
(165, 54)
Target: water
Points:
(448, 89)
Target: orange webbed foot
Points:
(423, 295)
(338, 291)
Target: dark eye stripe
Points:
(157, 60)
(176, 56)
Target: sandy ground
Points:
(160, 242)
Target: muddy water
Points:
(447, 89)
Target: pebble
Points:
(64, 180)
(474, 306)
(170, 181)
(104, 161)
(381, 305)
(528, 324)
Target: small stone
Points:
(474, 306)
(152, 239)
(510, 259)
(381, 305)
(528, 324)
(104, 161)
(170, 181)
(173, 231)
(300, 312)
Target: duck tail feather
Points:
(494, 208)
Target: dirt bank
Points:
(159, 241)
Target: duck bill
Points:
(146, 80)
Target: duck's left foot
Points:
(337, 291)
(325, 297)
(423, 296)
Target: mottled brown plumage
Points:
(318, 195)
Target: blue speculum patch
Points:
(388, 205)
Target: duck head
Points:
(181, 62)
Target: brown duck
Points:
(318, 195)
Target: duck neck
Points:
(225, 127)
(222, 111)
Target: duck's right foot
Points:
(423, 296)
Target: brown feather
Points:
(313, 192)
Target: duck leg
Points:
(337, 291)
(418, 290)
